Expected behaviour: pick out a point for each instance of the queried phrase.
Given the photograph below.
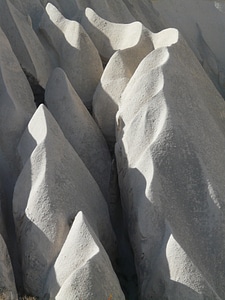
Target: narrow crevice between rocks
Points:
(125, 267)
(37, 89)
(104, 61)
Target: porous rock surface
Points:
(112, 149)
(54, 192)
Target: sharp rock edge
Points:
(154, 100)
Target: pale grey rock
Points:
(68, 8)
(109, 37)
(32, 8)
(7, 282)
(202, 24)
(77, 54)
(176, 273)
(79, 127)
(170, 155)
(113, 11)
(144, 11)
(82, 268)
(17, 104)
(53, 186)
(25, 43)
(120, 69)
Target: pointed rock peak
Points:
(165, 38)
(108, 36)
(53, 12)
(58, 85)
(41, 124)
(81, 228)
(80, 247)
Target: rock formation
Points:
(112, 149)
(79, 127)
(57, 186)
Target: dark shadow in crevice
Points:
(37, 89)
(125, 266)
(104, 60)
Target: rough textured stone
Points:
(118, 72)
(7, 282)
(170, 224)
(82, 268)
(52, 187)
(202, 24)
(17, 104)
(75, 51)
(174, 117)
(25, 43)
(79, 127)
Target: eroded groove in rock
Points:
(181, 279)
(24, 42)
(7, 282)
(82, 267)
(196, 20)
(53, 186)
(16, 109)
(113, 11)
(79, 127)
(76, 52)
(120, 69)
(125, 268)
(176, 115)
(38, 91)
(168, 210)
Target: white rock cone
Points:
(7, 282)
(120, 69)
(175, 276)
(169, 114)
(78, 56)
(52, 187)
(79, 127)
(82, 268)
(25, 43)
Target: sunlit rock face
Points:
(112, 149)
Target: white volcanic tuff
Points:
(78, 56)
(7, 282)
(52, 187)
(202, 23)
(144, 12)
(17, 104)
(32, 8)
(83, 266)
(24, 42)
(181, 278)
(120, 69)
(68, 8)
(79, 127)
(109, 37)
(113, 11)
(176, 124)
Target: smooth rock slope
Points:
(174, 117)
(112, 147)
(56, 185)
